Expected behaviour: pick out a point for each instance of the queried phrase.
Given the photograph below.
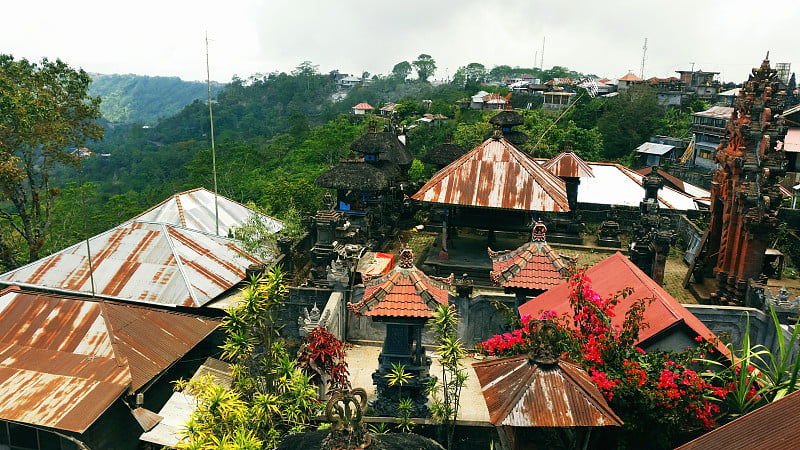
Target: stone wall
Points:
(297, 301)
(732, 320)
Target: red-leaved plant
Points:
(323, 354)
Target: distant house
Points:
(628, 81)
(348, 82)
(362, 109)
(387, 109)
(708, 129)
(557, 100)
(653, 154)
(477, 101)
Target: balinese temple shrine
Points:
(745, 192)
(494, 186)
(531, 269)
(505, 121)
(403, 299)
(442, 155)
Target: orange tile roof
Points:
(630, 77)
(534, 265)
(363, 106)
(403, 292)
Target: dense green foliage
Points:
(46, 113)
(276, 133)
(142, 99)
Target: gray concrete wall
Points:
(297, 300)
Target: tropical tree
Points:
(401, 70)
(475, 73)
(46, 114)
(425, 66)
(269, 397)
(446, 391)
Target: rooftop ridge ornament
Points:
(406, 258)
(539, 231)
(345, 412)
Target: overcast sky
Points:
(167, 37)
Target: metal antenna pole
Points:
(213, 149)
(86, 227)
(644, 57)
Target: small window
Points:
(370, 157)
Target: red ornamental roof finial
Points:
(539, 231)
(406, 258)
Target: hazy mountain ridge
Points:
(144, 99)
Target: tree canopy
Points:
(46, 117)
(425, 66)
(401, 70)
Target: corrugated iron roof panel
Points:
(64, 361)
(568, 165)
(195, 209)
(651, 148)
(717, 112)
(614, 184)
(496, 174)
(144, 262)
(522, 393)
(791, 142)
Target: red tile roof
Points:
(609, 277)
(495, 174)
(403, 292)
(522, 393)
(364, 106)
(534, 265)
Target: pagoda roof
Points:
(522, 393)
(534, 265)
(385, 144)
(496, 174)
(507, 118)
(444, 154)
(405, 292)
(568, 165)
(353, 174)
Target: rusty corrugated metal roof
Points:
(143, 262)
(568, 165)
(772, 426)
(521, 393)
(64, 361)
(495, 174)
(195, 210)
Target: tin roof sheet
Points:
(791, 142)
(64, 361)
(521, 393)
(195, 210)
(717, 112)
(614, 184)
(769, 427)
(143, 262)
(651, 148)
(495, 174)
(608, 277)
(568, 165)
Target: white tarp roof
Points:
(651, 148)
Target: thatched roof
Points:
(507, 118)
(353, 174)
(516, 137)
(443, 154)
(385, 144)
